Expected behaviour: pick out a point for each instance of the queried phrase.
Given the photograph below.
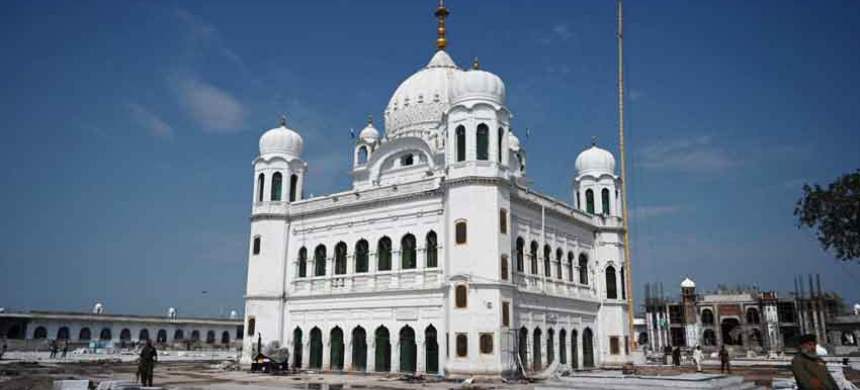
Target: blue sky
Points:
(129, 129)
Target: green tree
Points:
(834, 213)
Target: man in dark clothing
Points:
(810, 370)
(53, 349)
(148, 357)
(724, 360)
(65, 348)
(676, 357)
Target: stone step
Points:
(635, 382)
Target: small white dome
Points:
(369, 134)
(171, 313)
(595, 161)
(419, 102)
(687, 283)
(281, 140)
(478, 84)
(234, 315)
(513, 142)
(98, 308)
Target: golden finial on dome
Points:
(441, 13)
(283, 121)
(593, 141)
(369, 119)
(475, 64)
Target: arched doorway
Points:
(408, 350)
(316, 348)
(143, 335)
(298, 346)
(587, 348)
(178, 335)
(63, 333)
(731, 330)
(85, 334)
(225, 337)
(210, 337)
(161, 336)
(359, 349)
(523, 347)
(15, 332)
(124, 335)
(562, 346)
(574, 350)
(536, 365)
(105, 335)
(550, 347)
(40, 333)
(383, 349)
(431, 349)
(195, 335)
(709, 338)
(336, 358)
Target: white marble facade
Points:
(427, 263)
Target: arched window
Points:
(362, 249)
(707, 317)
(432, 250)
(550, 350)
(569, 266)
(559, 255)
(294, 183)
(63, 333)
(604, 195)
(362, 155)
(623, 284)
(261, 187)
(252, 325)
(125, 335)
(303, 262)
(105, 335)
(504, 265)
(611, 283)
(522, 159)
(589, 201)
(41, 333)
(534, 257)
(461, 143)
(383, 254)
(161, 336)
(499, 144)
(143, 335)
(340, 258)
(486, 342)
(319, 260)
(583, 268)
(521, 247)
(460, 232)
(483, 142)
(503, 221)
(614, 346)
(84, 335)
(256, 249)
(547, 259)
(407, 252)
(180, 335)
(195, 335)
(460, 299)
(225, 337)
(462, 345)
(210, 337)
(277, 182)
(752, 316)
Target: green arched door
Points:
(336, 349)
(408, 350)
(383, 349)
(316, 348)
(359, 349)
(431, 349)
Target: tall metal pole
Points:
(629, 279)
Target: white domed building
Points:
(440, 259)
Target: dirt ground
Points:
(206, 375)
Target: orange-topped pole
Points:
(442, 12)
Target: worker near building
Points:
(725, 364)
(676, 357)
(148, 357)
(810, 370)
(697, 357)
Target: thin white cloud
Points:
(215, 109)
(562, 31)
(149, 121)
(201, 35)
(693, 154)
(636, 94)
(654, 211)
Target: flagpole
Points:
(629, 279)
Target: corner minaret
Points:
(596, 188)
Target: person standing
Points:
(725, 365)
(53, 349)
(697, 357)
(676, 357)
(65, 348)
(3, 349)
(810, 370)
(148, 357)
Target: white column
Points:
(300, 185)
(395, 352)
(371, 350)
(421, 347)
(326, 352)
(347, 350)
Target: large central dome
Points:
(417, 105)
